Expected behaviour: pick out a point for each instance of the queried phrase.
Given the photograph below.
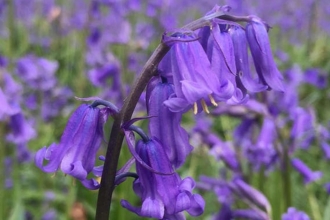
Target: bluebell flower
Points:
(258, 203)
(219, 149)
(8, 170)
(5, 108)
(54, 101)
(100, 76)
(80, 141)
(163, 196)
(220, 50)
(295, 214)
(165, 126)
(251, 214)
(37, 72)
(326, 149)
(23, 153)
(308, 175)
(316, 77)
(326, 186)
(224, 213)
(21, 130)
(257, 36)
(243, 132)
(242, 61)
(288, 103)
(263, 152)
(50, 215)
(195, 83)
(224, 194)
(225, 151)
(250, 194)
(221, 188)
(302, 132)
(12, 89)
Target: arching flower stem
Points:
(125, 114)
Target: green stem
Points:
(286, 182)
(261, 179)
(315, 209)
(312, 27)
(2, 172)
(285, 168)
(117, 136)
(17, 194)
(12, 31)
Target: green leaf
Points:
(18, 212)
(326, 215)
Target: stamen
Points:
(205, 106)
(212, 100)
(195, 108)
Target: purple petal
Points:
(295, 214)
(257, 36)
(308, 175)
(131, 208)
(192, 91)
(250, 214)
(197, 205)
(182, 202)
(91, 184)
(177, 104)
(130, 143)
(326, 149)
(152, 208)
(242, 62)
(75, 169)
(97, 171)
(187, 184)
(39, 157)
(166, 126)
(251, 194)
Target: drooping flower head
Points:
(259, 205)
(242, 62)
(263, 151)
(165, 125)
(21, 129)
(37, 72)
(219, 149)
(295, 214)
(224, 213)
(220, 50)
(308, 175)
(81, 139)
(164, 196)
(251, 194)
(194, 81)
(257, 36)
(302, 132)
(6, 109)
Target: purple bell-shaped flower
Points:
(164, 196)
(257, 36)
(80, 141)
(165, 125)
(195, 83)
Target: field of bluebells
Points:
(164, 109)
